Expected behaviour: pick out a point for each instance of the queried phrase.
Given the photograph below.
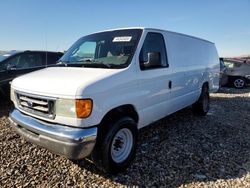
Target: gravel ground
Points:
(178, 151)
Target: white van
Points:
(107, 86)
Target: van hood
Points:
(58, 81)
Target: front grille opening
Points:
(36, 105)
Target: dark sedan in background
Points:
(15, 63)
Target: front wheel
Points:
(201, 107)
(116, 148)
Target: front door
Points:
(154, 82)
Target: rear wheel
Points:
(239, 83)
(201, 107)
(115, 147)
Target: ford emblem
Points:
(30, 104)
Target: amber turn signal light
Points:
(83, 108)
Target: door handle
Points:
(170, 84)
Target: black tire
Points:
(105, 140)
(201, 107)
(239, 82)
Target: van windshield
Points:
(111, 49)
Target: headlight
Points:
(65, 107)
(80, 108)
(12, 94)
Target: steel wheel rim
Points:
(121, 145)
(239, 83)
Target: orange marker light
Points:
(83, 108)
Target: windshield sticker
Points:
(7, 55)
(122, 39)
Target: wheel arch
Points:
(205, 84)
(118, 112)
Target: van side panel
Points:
(193, 62)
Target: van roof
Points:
(155, 29)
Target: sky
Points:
(56, 24)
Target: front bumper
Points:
(74, 143)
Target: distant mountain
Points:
(2, 52)
(241, 58)
(245, 56)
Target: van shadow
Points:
(182, 149)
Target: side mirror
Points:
(11, 67)
(154, 60)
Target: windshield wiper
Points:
(102, 63)
(86, 63)
(93, 62)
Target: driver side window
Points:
(12, 63)
(25, 61)
(154, 43)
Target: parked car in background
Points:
(223, 75)
(238, 72)
(15, 63)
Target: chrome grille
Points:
(37, 105)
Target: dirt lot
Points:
(178, 151)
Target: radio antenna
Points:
(46, 55)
